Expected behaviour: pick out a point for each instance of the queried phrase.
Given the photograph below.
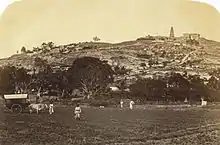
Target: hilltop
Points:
(30, 23)
(142, 57)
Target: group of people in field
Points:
(131, 103)
(38, 106)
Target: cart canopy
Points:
(15, 96)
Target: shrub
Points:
(29, 51)
(121, 70)
(146, 56)
(23, 49)
(98, 103)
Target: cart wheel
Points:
(16, 108)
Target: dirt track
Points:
(112, 126)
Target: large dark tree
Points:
(14, 80)
(42, 80)
(148, 89)
(22, 80)
(198, 88)
(6, 84)
(178, 87)
(213, 83)
(91, 75)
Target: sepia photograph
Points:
(109, 72)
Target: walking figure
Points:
(51, 110)
(131, 104)
(121, 103)
(37, 99)
(77, 112)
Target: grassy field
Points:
(112, 126)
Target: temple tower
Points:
(172, 33)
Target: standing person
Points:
(121, 103)
(51, 110)
(37, 99)
(77, 112)
(38, 96)
(131, 104)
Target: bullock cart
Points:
(16, 102)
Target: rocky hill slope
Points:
(143, 57)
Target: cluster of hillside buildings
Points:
(186, 36)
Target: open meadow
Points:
(112, 126)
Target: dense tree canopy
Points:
(14, 80)
(90, 74)
(175, 87)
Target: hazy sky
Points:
(30, 29)
(214, 3)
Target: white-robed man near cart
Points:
(131, 104)
(77, 112)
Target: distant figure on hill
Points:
(131, 104)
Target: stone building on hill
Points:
(191, 36)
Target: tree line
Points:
(91, 76)
(173, 87)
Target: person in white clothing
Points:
(131, 104)
(77, 112)
(51, 110)
(121, 103)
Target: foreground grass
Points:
(112, 126)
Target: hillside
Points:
(164, 53)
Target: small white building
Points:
(114, 89)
